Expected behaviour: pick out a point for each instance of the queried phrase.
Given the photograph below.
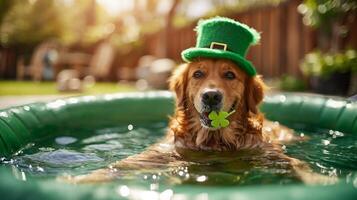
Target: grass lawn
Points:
(49, 88)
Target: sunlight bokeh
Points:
(114, 7)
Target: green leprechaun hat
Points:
(221, 37)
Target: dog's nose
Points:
(212, 97)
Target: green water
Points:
(81, 151)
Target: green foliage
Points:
(319, 64)
(30, 22)
(291, 83)
(318, 13)
(5, 6)
(27, 23)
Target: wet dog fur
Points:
(190, 131)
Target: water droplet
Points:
(124, 190)
(324, 151)
(40, 169)
(201, 179)
(23, 176)
(325, 142)
(130, 127)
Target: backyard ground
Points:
(14, 93)
(49, 88)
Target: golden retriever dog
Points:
(201, 87)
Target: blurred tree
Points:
(189, 11)
(24, 24)
(5, 6)
(168, 27)
(329, 68)
(330, 18)
(29, 22)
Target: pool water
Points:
(80, 151)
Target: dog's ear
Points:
(254, 93)
(178, 83)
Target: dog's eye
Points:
(198, 74)
(229, 75)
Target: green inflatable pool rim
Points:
(28, 123)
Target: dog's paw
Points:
(308, 176)
(97, 176)
(312, 178)
(323, 179)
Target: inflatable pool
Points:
(22, 125)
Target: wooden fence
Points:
(285, 40)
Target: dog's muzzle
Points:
(211, 100)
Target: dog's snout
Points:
(212, 97)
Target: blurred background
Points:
(74, 47)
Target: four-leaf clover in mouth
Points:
(219, 119)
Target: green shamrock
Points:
(219, 119)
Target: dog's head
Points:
(215, 85)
